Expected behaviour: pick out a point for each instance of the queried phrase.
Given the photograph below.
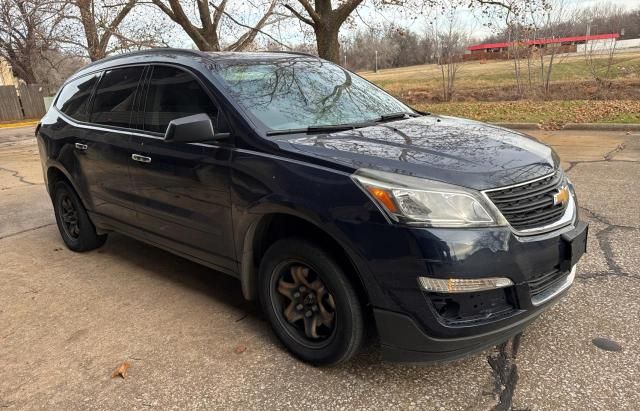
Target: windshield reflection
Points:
(296, 93)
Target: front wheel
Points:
(310, 303)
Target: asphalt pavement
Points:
(67, 320)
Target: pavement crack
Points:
(19, 176)
(604, 220)
(25, 231)
(604, 274)
(505, 372)
(572, 164)
(608, 156)
(604, 241)
(607, 250)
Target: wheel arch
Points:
(274, 226)
(55, 173)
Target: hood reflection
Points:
(454, 150)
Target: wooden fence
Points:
(22, 103)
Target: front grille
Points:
(544, 282)
(530, 205)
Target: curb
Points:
(575, 126)
(519, 126)
(18, 124)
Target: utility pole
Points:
(345, 60)
(376, 69)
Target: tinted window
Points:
(292, 93)
(172, 94)
(74, 97)
(116, 91)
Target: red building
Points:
(501, 50)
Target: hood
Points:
(447, 149)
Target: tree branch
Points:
(299, 16)
(310, 11)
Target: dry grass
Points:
(494, 80)
(487, 92)
(549, 114)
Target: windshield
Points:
(297, 93)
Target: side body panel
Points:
(182, 195)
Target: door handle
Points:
(142, 159)
(81, 146)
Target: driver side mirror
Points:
(192, 129)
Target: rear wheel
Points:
(76, 229)
(310, 303)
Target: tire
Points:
(337, 318)
(76, 229)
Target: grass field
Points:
(546, 113)
(485, 91)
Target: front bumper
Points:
(404, 341)
(419, 326)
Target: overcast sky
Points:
(290, 31)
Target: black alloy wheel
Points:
(304, 303)
(74, 224)
(69, 216)
(310, 302)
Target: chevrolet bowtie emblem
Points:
(562, 196)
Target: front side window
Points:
(74, 97)
(295, 93)
(174, 93)
(114, 98)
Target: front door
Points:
(184, 197)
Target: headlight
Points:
(424, 202)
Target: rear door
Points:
(106, 147)
(183, 187)
(73, 103)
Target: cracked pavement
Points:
(67, 320)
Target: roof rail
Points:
(300, 53)
(145, 51)
(160, 50)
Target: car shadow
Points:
(181, 272)
(226, 290)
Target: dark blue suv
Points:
(333, 203)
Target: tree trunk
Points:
(327, 42)
(24, 72)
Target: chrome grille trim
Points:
(549, 293)
(567, 218)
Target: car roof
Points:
(182, 55)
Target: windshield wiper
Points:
(333, 127)
(319, 129)
(396, 116)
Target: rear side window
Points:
(74, 97)
(114, 98)
(174, 93)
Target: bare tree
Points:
(96, 27)
(210, 16)
(326, 20)
(519, 50)
(547, 26)
(28, 30)
(532, 45)
(450, 39)
(600, 55)
(55, 66)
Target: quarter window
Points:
(174, 93)
(74, 97)
(115, 96)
